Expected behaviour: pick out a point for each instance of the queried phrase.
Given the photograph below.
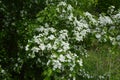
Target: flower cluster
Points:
(104, 28)
(81, 29)
(49, 40)
(63, 61)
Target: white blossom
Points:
(69, 8)
(90, 16)
(46, 25)
(53, 56)
(49, 46)
(36, 39)
(60, 50)
(62, 4)
(74, 78)
(78, 37)
(118, 37)
(83, 32)
(35, 49)
(46, 31)
(65, 46)
(48, 62)
(117, 16)
(71, 68)
(80, 62)
(42, 47)
(51, 37)
(62, 58)
(63, 10)
(103, 20)
(52, 29)
(111, 38)
(68, 56)
(2, 71)
(97, 36)
(56, 64)
(57, 9)
(41, 29)
(27, 48)
(70, 17)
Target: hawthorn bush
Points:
(63, 37)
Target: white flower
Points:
(51, 37)
(54, 46)
(80, 62)
(60, 50)
(77, 23)
(58, 10)
(111, 38)
(69, 8)
(84, 24)
(118, 37)
(65, 46)
(46, 25)
(61, 58)
(49, 47)
(112, 28)
(64, 31)
(52, 30)
(98, 36)
(78, 28)
(36, 39)
(101, 77)
(63, 34)
(74, 78)
(88, 14)
(48, 62)
(103, 20)
(71, 68)
(78, 37)
(68, 56)
(105, 39)
(63, 10)
(75, 55)
(46, 31)
(83, 32)
(27, 48)
(56, 64)
(41, 29)
(35, 49)
(70, 17)
(117, 16)
(2, 71)
(113, 41)
(42, 46)
(88, 30)
(61, 4)
(53, 56)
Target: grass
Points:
(105, 61)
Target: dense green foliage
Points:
(103, 5)
(15, 15)
(19, 20)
